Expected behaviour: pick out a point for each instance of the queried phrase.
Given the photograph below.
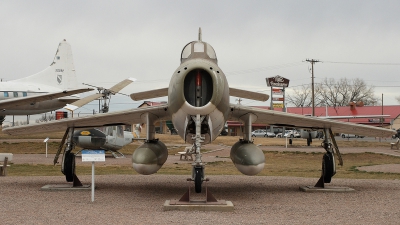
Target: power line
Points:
(361, 63)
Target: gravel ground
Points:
(139, 199)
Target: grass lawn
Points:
(296, 164)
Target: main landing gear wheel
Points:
(69, 167)
(328, 167)
(198, 179)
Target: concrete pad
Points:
(65, 187)
(326, 189)
(193, 206)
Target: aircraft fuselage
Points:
(198, 86)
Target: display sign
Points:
(277, 91)
(277, 105)
(277, 81)
(93, 156)
(277, 98)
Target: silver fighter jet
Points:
(198, 105)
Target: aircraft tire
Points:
(328, 167)
(69, 167)
(198, 179)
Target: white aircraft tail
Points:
(60, 74)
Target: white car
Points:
(262, 133)
(289, 134)
(350, 136)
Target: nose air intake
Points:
(198, 88)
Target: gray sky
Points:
(114, 40)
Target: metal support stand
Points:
(187, 200)
(76, 182)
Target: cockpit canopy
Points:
(198, 49)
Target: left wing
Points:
(276, 118)
(4, 104)
(126, 117)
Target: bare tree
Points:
(335, 93)
(301, 96)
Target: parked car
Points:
(262, 133)
(269, 134)
(292, 134)
(289, 134)
(351, 136)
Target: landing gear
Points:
(328, 160)
(68, 160)
(328, 167)
(198, 166)
(198, 179)
(69, 166)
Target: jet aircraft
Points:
(111, 138)
(45, 91)
(198, 105)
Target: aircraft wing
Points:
(4, 104)
(126, 117)
(276, 118)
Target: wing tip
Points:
(70, 107)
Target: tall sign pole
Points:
(312, 61)
(278, 85)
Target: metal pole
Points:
(46, 149)
(382, 112)
(92, 181)
(312, 87)
(312, 61)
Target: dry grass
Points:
(277, 163)
(295, 164)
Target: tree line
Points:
(333, 93)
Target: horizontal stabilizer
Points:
(4, 104)
(248, 94)
(149, 94)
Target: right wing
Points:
(126, 117)
(4, 104)
(284, 119)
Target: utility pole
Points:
(239, 100)
(312, 61)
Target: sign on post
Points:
(45, 141)
(93, 156)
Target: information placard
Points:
(93, 156)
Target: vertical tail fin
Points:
(61, 72)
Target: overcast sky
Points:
(114, 40)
